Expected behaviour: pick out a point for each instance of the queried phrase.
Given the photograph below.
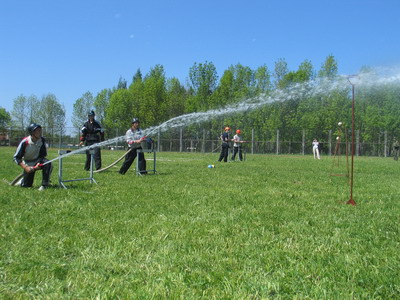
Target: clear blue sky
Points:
(73, 46)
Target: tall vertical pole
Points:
(351, 200)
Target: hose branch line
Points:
(114, 163)
(16, 179)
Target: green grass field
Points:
(272, 227)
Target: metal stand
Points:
(138, 172)
(60, 169)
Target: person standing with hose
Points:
(225, 145)
(134, 137)
(237, 145)
(92, 133)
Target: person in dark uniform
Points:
(92, 133)
(31, 155)
(134, 138)
(225, 145)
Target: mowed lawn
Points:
(271, 227)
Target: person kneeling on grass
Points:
(134, 137)
(31, 155)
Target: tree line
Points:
(154, 98)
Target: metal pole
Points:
(180, 139)
(158, 140)
(252, 141)
(277, 141)
(351, 200)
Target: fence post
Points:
(158, 139)
(277, 141)
(180, 139)
(252, 141)
(385, 145)
(357, 142)
(303, 142)
(330, 142)
(203, 147)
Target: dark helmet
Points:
(135, 120)
(31, 128)
(91, 114)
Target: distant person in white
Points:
(315, 150)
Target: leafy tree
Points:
(5, 119)
(281, 69)
(19, 113)
(329, 68)
(153, 105)
(262, 80)
(51, 115)
(243, 82)
(119, 110)
(122, 84)
(203, 80)
(100, 104)
(225, 92)
(82, 107)
(175, 98)
(32, 108)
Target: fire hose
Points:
(114, 163)
(16, 179)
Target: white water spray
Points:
(320, 87)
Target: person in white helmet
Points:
(134, 138)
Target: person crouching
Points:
(31, 155)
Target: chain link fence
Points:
(207, 140)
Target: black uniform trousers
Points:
(129, 158)
(28, 178)
(235, 151)
(96, 156)
(224, 152)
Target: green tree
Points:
(81, 108)
(5, 119)
(329, 68)
(262, 80)
(175, 98)
(119, 111)
(280, 70)
(19, 113)
(203, 80)
(100, 104)
(51, 115)
(153, 106)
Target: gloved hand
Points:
(38, 166)
(29, 169)
(131, 142)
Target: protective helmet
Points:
(238, 131)
(91, 114)
(31, 128)
(135, 120)
(227, 128)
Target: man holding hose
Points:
(134, 138)
(31, 155)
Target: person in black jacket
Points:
(31, 155)
(225, 145)
(92, 133)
